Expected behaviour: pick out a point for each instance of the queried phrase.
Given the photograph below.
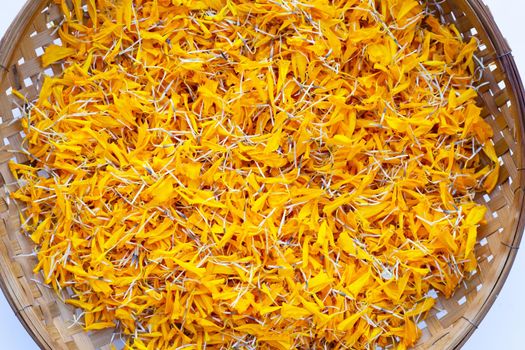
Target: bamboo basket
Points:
(450, 323)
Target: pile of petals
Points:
(269, 174)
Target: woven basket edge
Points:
(9, 41)
(15, 31)
(504, 56)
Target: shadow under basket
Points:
(449, 324)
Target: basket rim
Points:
(504, 55)
(8, 43)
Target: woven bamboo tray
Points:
(450, 323)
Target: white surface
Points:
(502, 328)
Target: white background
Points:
(502, 328)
